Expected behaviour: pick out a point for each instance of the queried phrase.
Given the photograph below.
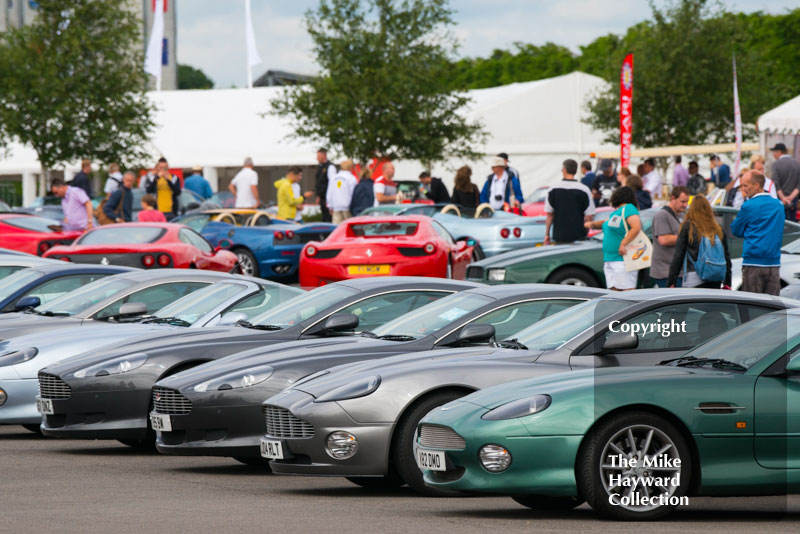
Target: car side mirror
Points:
(132, 309)
(620, 341)
(27, 302)
(794, 365)
(231, 318)
(341, 322)
(223, 244)
(476, 333)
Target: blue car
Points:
(38, 284)
(266, 247)
(495, 231)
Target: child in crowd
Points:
(149, 212)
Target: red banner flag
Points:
(626, 110)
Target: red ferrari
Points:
(412, 245)
(148, 246)
(32, 234)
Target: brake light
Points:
(163, 260)
(278, 236)
(148, 260)
(43, 247)
(429, 248)
(64, 258)
(311, 251)
(504, 233)
(289, 234)
(517, 232)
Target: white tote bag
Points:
(639, 252)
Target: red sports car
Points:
(146, 245)
(534, 204)
(32, 234)
(411, 245)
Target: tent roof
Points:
(782, 119)
(220, 127)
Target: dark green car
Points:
(581, 263)
(633, 442)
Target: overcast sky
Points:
(211, 34)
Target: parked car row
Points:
(537, 391)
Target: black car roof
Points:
(502, 291)
(403, 282)
(660, 294)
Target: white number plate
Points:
(271, 449)
(431, 460)
(44, 406)
(160, 422)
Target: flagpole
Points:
(249, 77)
(252, 57)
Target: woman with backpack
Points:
(701, 251)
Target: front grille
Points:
(52, 387)
(169, 401)
(440, 437)
(282, 424)
(475, 273)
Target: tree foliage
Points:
(72, 83)
(382, 90)
(193, 78)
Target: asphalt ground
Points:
(50, 485)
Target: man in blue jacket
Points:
(498, 188)
(760, 223)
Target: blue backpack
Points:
(710, 265)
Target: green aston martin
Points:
(581, 263)
(636, 442)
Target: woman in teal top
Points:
(616, 236)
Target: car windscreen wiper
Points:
(512, 344)
(692, 361)
(367, 333)
(393, 337)
(248, 324)
(172, 321)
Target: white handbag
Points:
(639, 252)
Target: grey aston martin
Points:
(359, 420)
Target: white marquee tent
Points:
(781, 125)
(538, 124)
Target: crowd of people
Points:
(689, 248)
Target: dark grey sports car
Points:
(105, 394)
(215, 409)
(360, 420)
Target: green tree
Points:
(72, 83)
(192, 78)
(683, 81)
(382, 90)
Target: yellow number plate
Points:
(368, 269)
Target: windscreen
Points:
(198, 303)
(383, 229)
(434, 316)
(34, 224)
(127, 235)
(87, 296)
(13, 283)
(6, 270)
(301, 308)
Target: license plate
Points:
(271, 449)
(160, 422)
(431, 460)
(369, 269)
(44, 406)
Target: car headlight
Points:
(353, 390)
(18, 356)
(518, 408)
(494, 458)
(114, 366)
(236, 380)
(496, 275)
(341, 445)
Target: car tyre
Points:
(403, 445)
(546, 503)
(650, 432)
(247, 262)
(573, 277)
(389, 482)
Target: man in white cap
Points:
(500, 185)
